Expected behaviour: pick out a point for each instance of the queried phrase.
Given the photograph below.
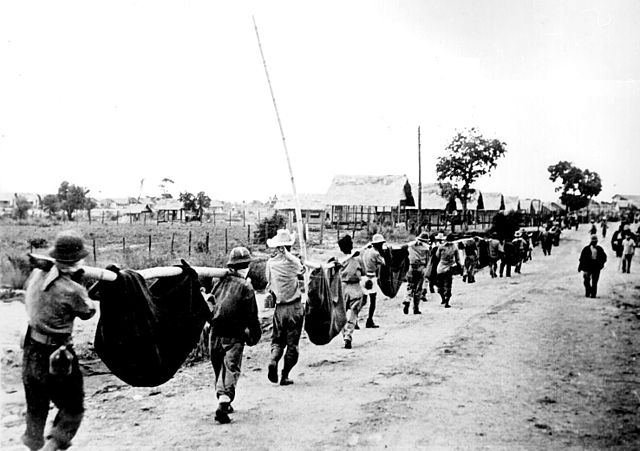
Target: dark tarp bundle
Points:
(483, 253)
(324, 313)
(394, 271)
(145, 333)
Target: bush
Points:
(268, 228)
(37, 243)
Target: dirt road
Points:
(524, 362)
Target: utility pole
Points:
(419, 184)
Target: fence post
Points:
(321, 229)
(244, 218)
(123, 246)
(229, 219)
(149, 245)
(226, 242)
(249, 234)
(173, 237)
(94, 250)
(189, 253)
(207, 242)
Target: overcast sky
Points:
(104, 94)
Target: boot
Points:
(405, 307)
(284, 379)
(370, 324)
(347, 344)
(272, 372)
(222, 416)
(417, 312)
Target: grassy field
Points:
(133, 246)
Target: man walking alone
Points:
(592, 260)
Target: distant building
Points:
(312, 208)
(361, 199)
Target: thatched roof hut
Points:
(355, 198)
(370, 191)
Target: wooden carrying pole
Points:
(303, 247)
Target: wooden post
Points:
(89, 215)
(189, 253)
(249, 234)
(207, 242)
(226, 242)
(94, 251)
(173, 237)
(322, 226)
(244, 218)
(229, 219)
(123, 246)
(149, 246)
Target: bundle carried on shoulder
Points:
(146, 332)
(324, 314)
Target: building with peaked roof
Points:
(357, 199)
(626, 201)
(169, 210)
(312, 208)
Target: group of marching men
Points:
(55, 297)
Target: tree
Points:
(22, 207)
(164, 186)
(51, 204)
(195, 203)
(71, 198)
(469, 156)
(576, 186)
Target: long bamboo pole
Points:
(419, 184)
(303, 247)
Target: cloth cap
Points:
(239, 255)
(377, 238)
(424, 237)
(283, 238)
(68, 247)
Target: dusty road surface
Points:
(524, 362)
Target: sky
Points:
(116, 96)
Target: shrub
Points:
(268, 228)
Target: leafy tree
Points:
(164, 186)
(469, 156)
(195, 203)
(22, 207)
(71, 198)
(51, 204)
(576, 186)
